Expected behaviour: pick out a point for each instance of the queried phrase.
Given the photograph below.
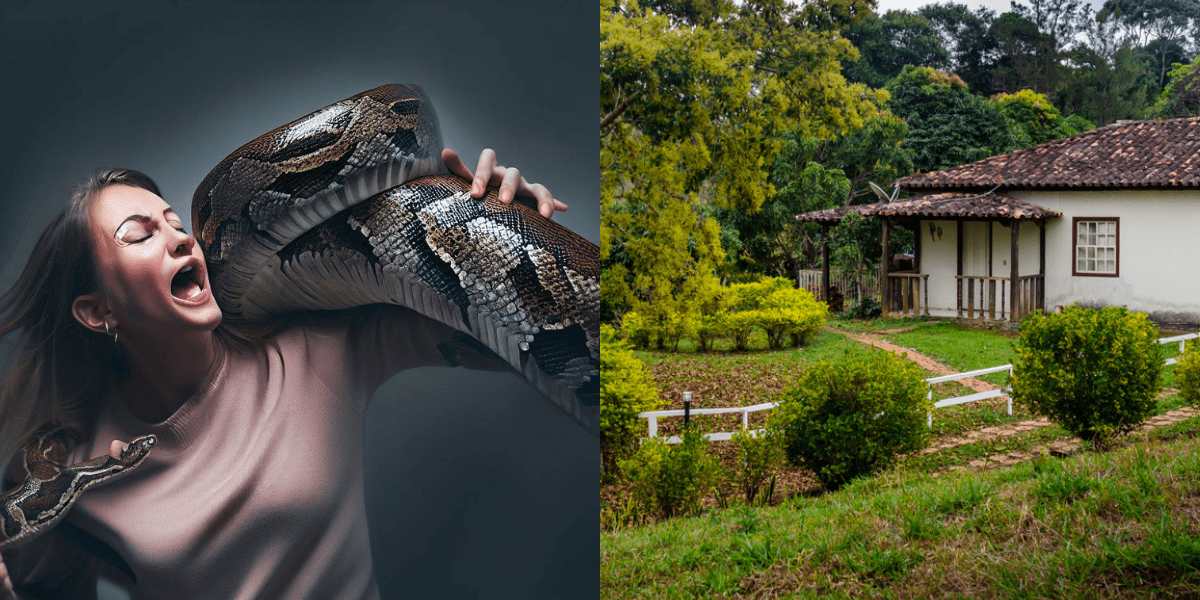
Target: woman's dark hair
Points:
(59, 369)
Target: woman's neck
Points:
(164, 373)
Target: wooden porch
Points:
(983, 295)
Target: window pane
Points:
(1091, 252)
(1110, 266)
(1082, 266)
(1091, 228)
(1082, 227)
(1091, 265)
(1082, 253)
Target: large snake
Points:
(349, 206)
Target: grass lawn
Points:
(1125, 523)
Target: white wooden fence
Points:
(653, 416)
(712, 437)
(1182, 339)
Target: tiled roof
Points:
(833, 216)
(956, 205)
(1131, 154)
(949, 205)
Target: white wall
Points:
(1158, 253)
(939, 257)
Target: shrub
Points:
(853, 416)
(1187, 373)
(758, 460)
(1095, 373)
(710, 328)
(740, 325)
(672, 479)
(866, 308)
(625, 390)
(793, 312)
(637, 329)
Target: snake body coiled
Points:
(351, 205)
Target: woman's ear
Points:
(91, 312)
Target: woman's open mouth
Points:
(187, 284)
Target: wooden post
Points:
(1014, 307)
(1041, 294)
(883, 268)
(990, 261)
(959, 272)
(825, 260)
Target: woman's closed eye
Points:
(139, 229)
(133, 231)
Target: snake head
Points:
(137, 451)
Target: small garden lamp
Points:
(687, 408)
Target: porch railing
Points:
(989, 297)
(851, 287)
(909, 294)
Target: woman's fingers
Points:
(485, 172)
(6, 586)
(508, 179)
(508, 184)
(455, 164)
(115, 448)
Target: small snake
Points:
(351, 205)
(51, 486)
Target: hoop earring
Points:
(115, 335)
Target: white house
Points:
(1107, 217)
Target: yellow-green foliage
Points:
(740, 325)
(1187, 373)
(626, 389)
(852, 416)
(672, 479)
(794, 312)
(1095, 373)
(636, 329)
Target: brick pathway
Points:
(922, 361)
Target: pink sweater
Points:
(255, 489)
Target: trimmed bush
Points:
(626, 389)
(672, 479)
(792, 312)
(1187, 373)
(740, 325)
(1095, 373)
(758, 461)
(853, 416)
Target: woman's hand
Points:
(508, 179)
(6, 586)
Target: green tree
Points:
(694, 97)
(1161, 27)
(947, 125)
(810, 174)
(886, 44)
(1181, 97)
(1109, 80)
(1035, 117)
(970, 40)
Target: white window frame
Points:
(1100, 242)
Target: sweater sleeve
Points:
(364, 347)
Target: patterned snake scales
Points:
(348, 206)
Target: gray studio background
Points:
(476, 487)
